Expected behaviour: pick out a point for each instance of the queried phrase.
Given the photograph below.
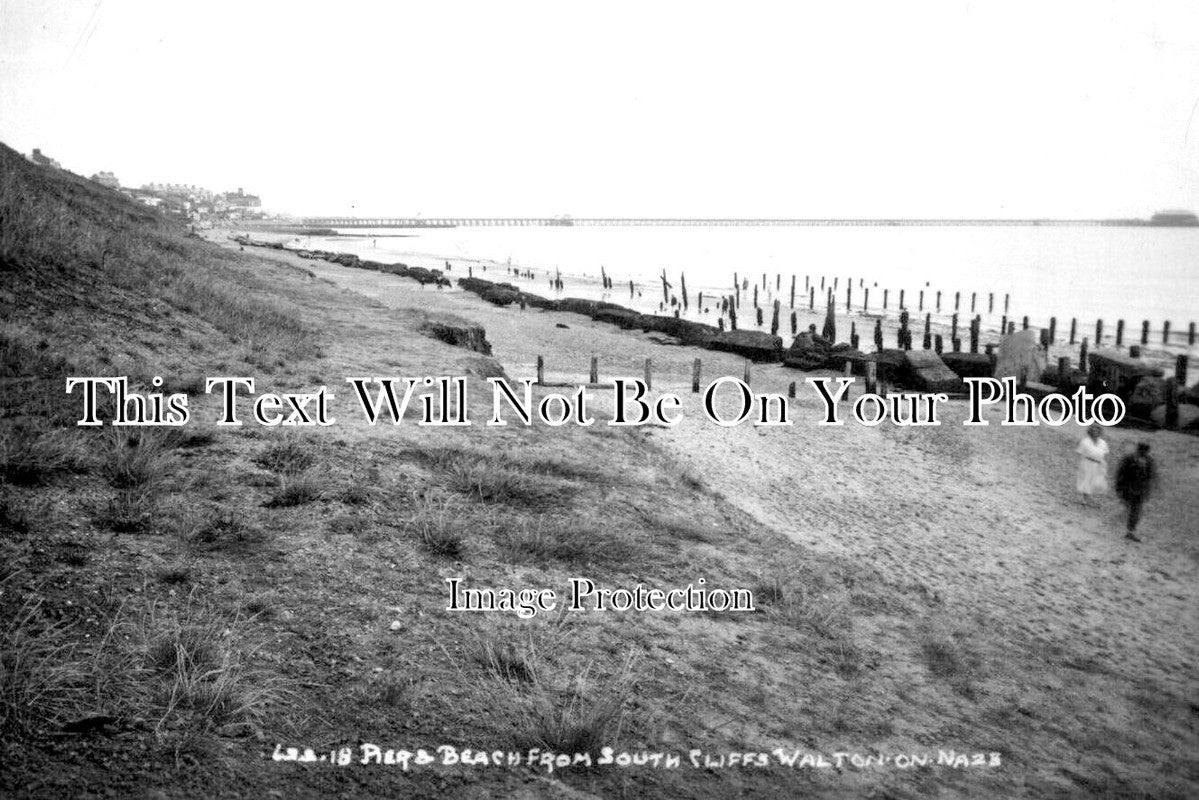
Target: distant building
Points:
(180, 191)
(107, 179)
(240, 199)
(1175, 218)
(37, 157)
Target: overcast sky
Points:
(863, 109)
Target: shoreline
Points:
(751, 340)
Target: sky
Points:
(961, 109)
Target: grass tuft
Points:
(439, 528)
(31, 457)
(137, 459)
(296, 491)
(286, 457)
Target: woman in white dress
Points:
(1092, 463)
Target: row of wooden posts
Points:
(810, 290)
(1064, 371)
(731, 303)
(696, 373)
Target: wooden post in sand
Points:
(1082, 355)
(1006, 298)
(953, 329)
(1134, 351)
(1052, 330)
(990, 302)
(1144, 333)
(774, 320)
(938, 301)
(1119, 333)
(1064, 378)
(1024, 324)
(973, 300)
(791, 390)
(1191, 335)
(871, 377)
(1098, 333)
(1171, 404)
(1074, 329)
(920, 306)
(957, 301)
(812, 298)
(792, 291)
(695, 373)
(901, 304)
(594, 369)
(848, 297)
(938, 343)
(865, 299)
(1180, 369)
(648, 374)
(1166, 332)
(540, 369)
(794, 324)
(748, 364)
(885, 293)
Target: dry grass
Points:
(439, 527)
(129, 511)
(581, 718)
(297, 490)
(503, 659)
(222, 529)
(287, 457)
(137, 458)
(33, 456)
(42, 679)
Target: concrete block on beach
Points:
(807, 352)
(928, 373)
(622, 318)
(460, 334)
(754, 345)
(1021, 353)
(968, 365)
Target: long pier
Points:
(514, 222)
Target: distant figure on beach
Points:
(1135, 478)
(1092, 463)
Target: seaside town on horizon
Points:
(203, 207)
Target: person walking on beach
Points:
(1135, 478)
(1092, 463)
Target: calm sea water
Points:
(1132, 274)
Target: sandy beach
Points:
(1053, 607)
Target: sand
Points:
(984, 520)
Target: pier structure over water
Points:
(514, 222)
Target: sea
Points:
(1134, 274)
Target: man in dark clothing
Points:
(1134, 481)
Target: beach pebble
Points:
(395, 625)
